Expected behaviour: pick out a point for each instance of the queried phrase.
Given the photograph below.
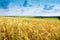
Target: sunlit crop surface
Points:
(16, 28)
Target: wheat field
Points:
(16, 28)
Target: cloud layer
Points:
(34, 8)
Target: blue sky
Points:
(51, 1)
(5, 3)
(44, 6)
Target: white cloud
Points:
(14, 10)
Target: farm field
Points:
(22, 28)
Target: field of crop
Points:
(16, 28)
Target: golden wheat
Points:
(29, 29)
